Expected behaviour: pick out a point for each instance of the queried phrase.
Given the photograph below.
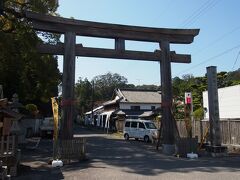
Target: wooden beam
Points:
(119, 44)
(57, 49)
(66, 131)
(167, 121)
(111, 53)
(180, 58)
(94, 29)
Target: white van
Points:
(140, 129)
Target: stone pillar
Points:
(215, 133)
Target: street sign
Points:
(188, 98)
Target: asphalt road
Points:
(112, 158)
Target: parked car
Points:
(140, 129)
(46, 127)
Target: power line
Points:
(196, 11)
(218, 39)
(200, 11)
(210, 59)
(236, 60)
(228, 74)
(203, 11)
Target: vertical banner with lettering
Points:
(55, 123)
(55, 117)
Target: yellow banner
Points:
(55, 117)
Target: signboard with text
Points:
(188, 98)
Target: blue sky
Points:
(217, 44)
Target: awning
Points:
(119, 112)
(94, 110)
(147, 114)
(108, 114)
(111, 102)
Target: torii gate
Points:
(70, 28)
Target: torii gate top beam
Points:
(95, 29)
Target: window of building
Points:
(136, 108)
(153, 107)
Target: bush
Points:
(32, 108)
(198, 114)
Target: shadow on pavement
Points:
(140, 158)
(112, 153)
(35, 163)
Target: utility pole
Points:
(92, 101)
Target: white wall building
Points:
(229, 102)
(135, 102)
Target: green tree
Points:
(32, 76)
(83, 94)
(104, 85)
(234, 77)
(198, 114)
(196, 85)
(147, 87)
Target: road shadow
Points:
(106, 152)
(35, 163)
(138, 157)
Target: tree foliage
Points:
(198, 114)
(196, 85)
(104, 85)
(147, 87)
(32, 76)
(83, 93)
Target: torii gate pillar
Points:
(167, 120)
(66, 129)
